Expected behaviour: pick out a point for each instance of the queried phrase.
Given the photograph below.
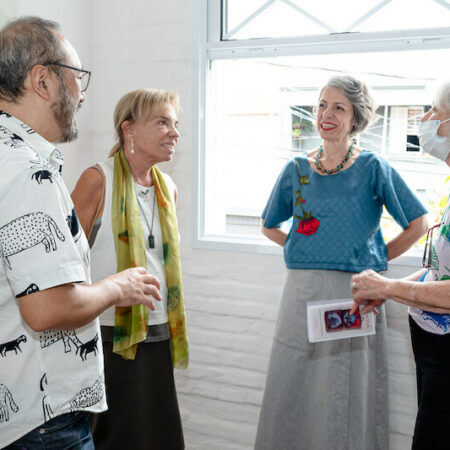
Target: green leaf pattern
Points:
(299, 201)
(440, 251)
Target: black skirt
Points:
(143, 407)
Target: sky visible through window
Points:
(280, 18)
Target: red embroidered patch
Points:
(308, 227)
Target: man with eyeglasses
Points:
(51, 360)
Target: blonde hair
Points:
(141, 104)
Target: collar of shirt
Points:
(41, 146)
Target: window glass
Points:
(262, 115)
(281, 18)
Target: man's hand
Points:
(136, 285)
(73, 305)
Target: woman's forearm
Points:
(82, 303)
(369, 286)
(431, 295)
(406, 239)
(276, 235)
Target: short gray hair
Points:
(443, 96)
(357, 92)
(25, 42)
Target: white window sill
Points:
(412, 258)
(260, 245)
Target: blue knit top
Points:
(336, 219)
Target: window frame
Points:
(207, 46)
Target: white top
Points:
(42, 245)
(439, 270)
(103, 250)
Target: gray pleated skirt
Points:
(327, 396)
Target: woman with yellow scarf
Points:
(126, 206)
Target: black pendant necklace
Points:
(151, 238)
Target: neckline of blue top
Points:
(343, 171)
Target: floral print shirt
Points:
(439, 270)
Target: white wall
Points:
(74, 16)
(232, 298)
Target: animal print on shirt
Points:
(74, 225)
(42, 175)
(88, 347)
(49, 337)
(11, 139)
(27, 128)
(88, 396)
(6, 402)
(44, 169)
(29, 290)
(46, 407)
(26, 232)
(12, 345)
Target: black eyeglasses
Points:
(427, 253)
(85, 74)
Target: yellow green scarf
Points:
(130, 326)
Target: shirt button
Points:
(42, 430)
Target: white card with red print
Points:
(331, 319)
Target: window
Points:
(284, 18)
(258, 84)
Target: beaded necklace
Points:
(338, 168)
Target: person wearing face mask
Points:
(427, 292)
(433, 141)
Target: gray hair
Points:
(24, 43)
(357, 92)
(443, 96)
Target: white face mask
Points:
(431, 142)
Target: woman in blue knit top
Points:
(333, 394)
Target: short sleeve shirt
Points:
(439, 270)
(336, 219)
(42, 245)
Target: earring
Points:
(132, 146)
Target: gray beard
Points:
(64, 109)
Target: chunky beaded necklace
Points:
(338, 168)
